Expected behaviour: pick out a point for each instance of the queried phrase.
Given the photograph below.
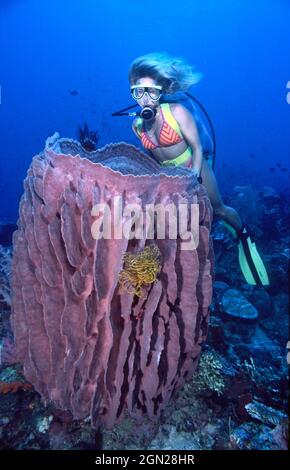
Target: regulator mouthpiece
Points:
(147, 113)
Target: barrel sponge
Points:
(87, 342)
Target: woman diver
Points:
(170, 132)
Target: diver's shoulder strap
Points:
(168, 116)
(138, 125)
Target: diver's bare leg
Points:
(226, 213)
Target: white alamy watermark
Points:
(161, 221)
(288, 94)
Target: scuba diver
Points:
(175, 136)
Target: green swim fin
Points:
(251, 263)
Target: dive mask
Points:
(153, 91)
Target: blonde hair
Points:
(174, 74)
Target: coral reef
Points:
(8, 387)
(254, 370)
(265, 414)
(85, 343)
(5, 273)
(210, 373)
(236, 305)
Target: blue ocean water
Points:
(63, 62)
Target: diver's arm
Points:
(190, 133)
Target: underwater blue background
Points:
(63, 62)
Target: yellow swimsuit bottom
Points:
(181, 159)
